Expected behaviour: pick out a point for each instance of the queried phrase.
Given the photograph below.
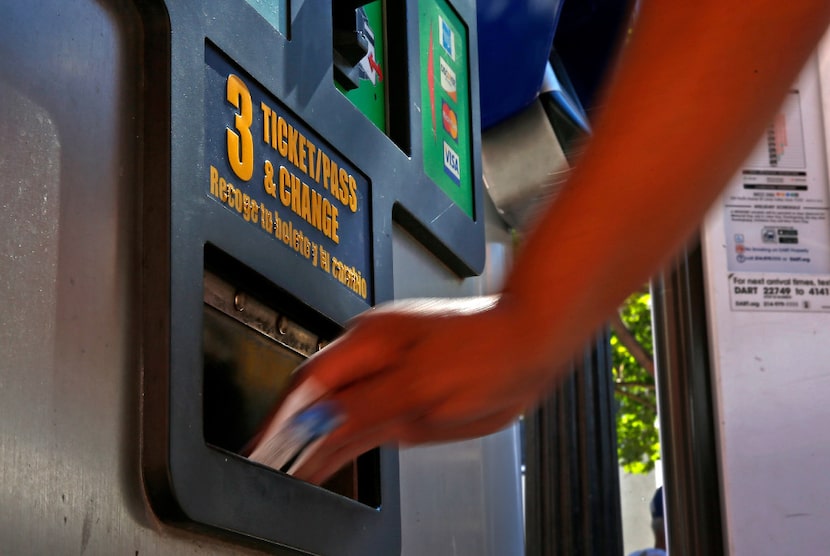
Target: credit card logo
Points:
(448, 82)
(450, 120)
(452, 166)
(446, 37)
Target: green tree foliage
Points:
(638, 444)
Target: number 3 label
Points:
(240, 142)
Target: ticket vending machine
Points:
(196, 197)
(268, 225)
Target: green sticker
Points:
(445, 103)
(370, 95)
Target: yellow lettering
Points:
(266, 125)
(326, 169)
(302, 200)
(333, 179)
(240, 143)
(278, 229)
(214, 181)
(343, 193)
(316, 209)
(326, 223)
(254, 211)
(349, 276)
(292, 145)
(305, 204)
(267, 221)
(282, 133)
(285, 186)
(223, 190)
(268, 181)
(352, 193)
(295, 194)
(311, 150)
(302, 154)
(283, 229)
(334, 225)
(274, 121)
(246, 207)
(237, 198)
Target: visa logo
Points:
(446, 37)
(448, 82)
(452, 166)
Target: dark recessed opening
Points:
(251, 348)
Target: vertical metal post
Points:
(687, 426)
(572, 486)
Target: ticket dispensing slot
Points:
(274, 184)
(250, 353)
(233, 354)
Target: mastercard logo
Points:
(450, 120)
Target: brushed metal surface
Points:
(461, 498)
(524, 165)
(69, 122)
(70, 116)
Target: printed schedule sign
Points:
(776, 213)
(776, 209)
(275, 173)
(445, 104)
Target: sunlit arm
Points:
(696, 85)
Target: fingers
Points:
(297, 399)
(375, 411)
(339, 449)
(368, 348)
(420, 433)
(379, 338)
(332, 455)
(415, 374)
(435, 307)
(407, 405)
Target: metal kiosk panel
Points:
(266, 184)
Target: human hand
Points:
(422, 371)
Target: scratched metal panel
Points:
(69, 380)
(69, 371)
(460, 498)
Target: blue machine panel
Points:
(272, 170)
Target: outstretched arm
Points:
(695, 87)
